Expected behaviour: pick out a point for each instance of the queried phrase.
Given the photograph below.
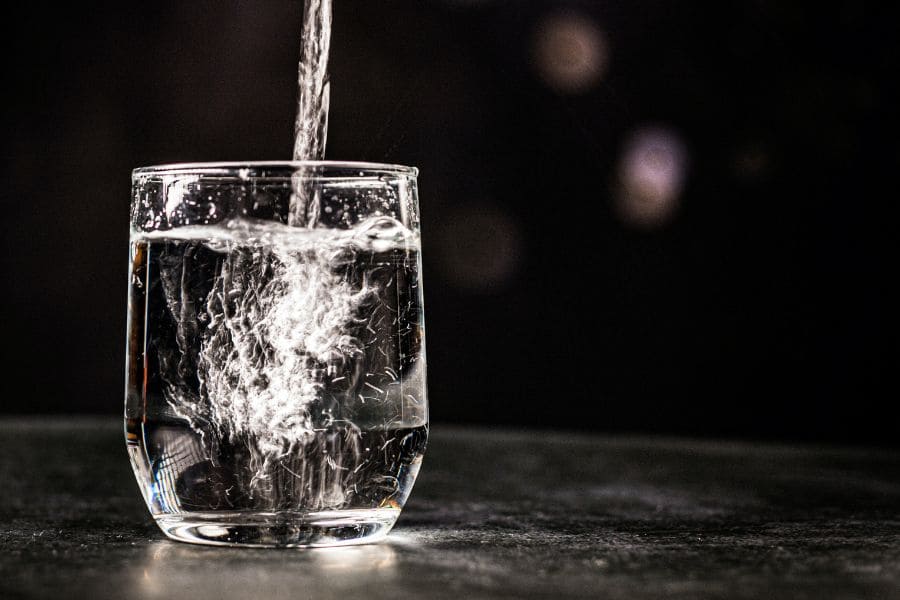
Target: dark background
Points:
(637, 216)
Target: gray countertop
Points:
(495, 514)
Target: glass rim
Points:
(234, 168)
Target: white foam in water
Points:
(300, 318)
(300, 314)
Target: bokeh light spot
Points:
(570, 52)
(651, 174)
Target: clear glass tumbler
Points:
(275, 386)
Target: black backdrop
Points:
(731, 277)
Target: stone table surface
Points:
(495, 514)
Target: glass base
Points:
(281, 530)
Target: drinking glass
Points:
(275, 372)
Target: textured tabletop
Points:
(494, 515)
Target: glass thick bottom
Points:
(281, 530)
